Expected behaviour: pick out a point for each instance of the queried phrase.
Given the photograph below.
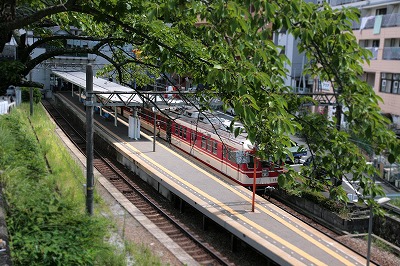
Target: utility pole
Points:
(31, 101)
(89, 140)
(30, 95)
(338, 115)
(254, 182)
(154, 129)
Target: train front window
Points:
(232, 156)
(265, 164)
(250, 163)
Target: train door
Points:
(169, 131)
(225, 159)
(193, 142)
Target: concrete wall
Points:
(5, 253)
(387, 227)
(326, 217)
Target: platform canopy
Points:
(107, 92)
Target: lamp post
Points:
(380, 201)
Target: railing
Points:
(390, 20)
(301, 90)
(52, 48)
(391, 53)
(343, 2)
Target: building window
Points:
(381, 11)
(395, 88)
(390, 83)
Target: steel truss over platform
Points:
(323, 99)
(108, 93)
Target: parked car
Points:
(298, 152)
(308, 161)
(230, 111)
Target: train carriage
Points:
(206, 138)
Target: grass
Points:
(46, 216)
(395, 202)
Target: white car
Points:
(230, 111)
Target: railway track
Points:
(218, 237)
(123, 180)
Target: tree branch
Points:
(38, 15)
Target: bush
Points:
(25, 95)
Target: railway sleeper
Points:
(204, 259)
(144, 207)
(171, 231)
(162, 222)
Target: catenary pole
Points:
(154, 130)
(89, 140)
(254, 182)
(31, 101)
(371, 215)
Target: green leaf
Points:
(391, 158)
(282, 181)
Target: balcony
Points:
(390, 20)
(391, 53)
(374, 51)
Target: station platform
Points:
(270, 230)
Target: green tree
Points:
(228, 46)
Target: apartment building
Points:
(379, 31)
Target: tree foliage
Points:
(228, 46)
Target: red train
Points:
(206, 138)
